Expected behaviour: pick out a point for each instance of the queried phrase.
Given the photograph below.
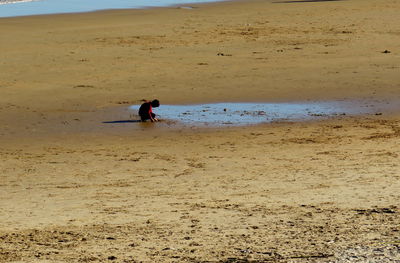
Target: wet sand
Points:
(76, 189)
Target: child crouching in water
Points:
(146, 110)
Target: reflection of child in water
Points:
(146, 110)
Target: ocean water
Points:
(11, 8)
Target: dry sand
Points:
(74, 189)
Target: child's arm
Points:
(152, 119)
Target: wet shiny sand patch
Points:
(239, 114)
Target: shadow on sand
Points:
(123, 121)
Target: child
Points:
(146, 110)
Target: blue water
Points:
(239, 114)
(10, 8)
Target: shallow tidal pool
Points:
(239, 114)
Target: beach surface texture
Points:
(82, 181)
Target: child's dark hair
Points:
(155, 103)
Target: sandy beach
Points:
(76, 189)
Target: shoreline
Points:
(109, 9)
